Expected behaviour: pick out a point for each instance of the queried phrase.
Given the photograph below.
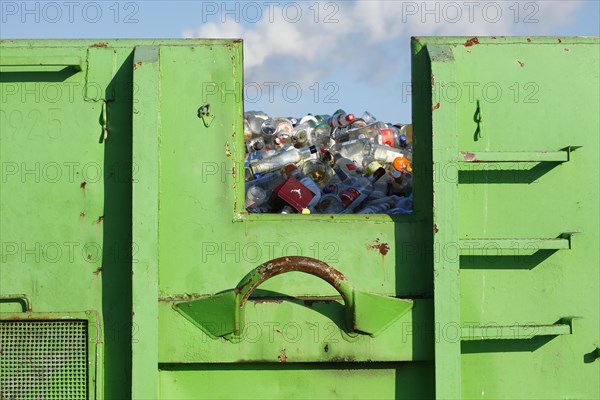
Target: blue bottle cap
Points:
(403, 140)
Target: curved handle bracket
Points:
(222, 314)
(21, 299)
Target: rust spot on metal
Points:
(469, 157)
(435, 107)
(227, 152)
(97, 271)
(326, 348)
(383, 248)
(136, 65)
(177, 298)
(435, 228)
(237, 41)
(100, 219)
(83, 184)
(471, 42)
(566, 49)
(102, 45)
(287, 264)
(522, 64)
(528, 40)
(559, 41)
(282, 357)
(82, 214)
(493, 37)
(432, 80)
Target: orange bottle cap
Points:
(402, 164)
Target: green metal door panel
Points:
(207, 243)
(46, 158)
(300, 381)
(527, 227)
(198, 236)
(538, 368)
(65, 215)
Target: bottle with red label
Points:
(354, 196)
(344, 167)
(340, 119)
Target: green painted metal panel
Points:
(65, 222)
(207, 244)
(496, 272)
(524, 112)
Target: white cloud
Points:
(366, 29)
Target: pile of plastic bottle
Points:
(327, 164)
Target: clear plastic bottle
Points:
(368, 118)
(300, 139)
(354, 149)
(384, 153)
(323, 118)
(320, 136)
(404, 205)
(280, 160)
(330, 204)
(255, 120)
(268, 130)
(369, 131)
(255, 196)
(317, 170)
(255, 149)
(402, 183)
(267, 182)
(357, 124)
(304, 130)
(388, 203)
(283, 125)
(340, 134)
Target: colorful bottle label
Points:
(387, 136)
(349, 196)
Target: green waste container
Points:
(130, 269)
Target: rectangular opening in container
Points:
(339, 163)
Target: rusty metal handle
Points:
(282, 265)
(222, 314)
(22, 299)
(279, 266)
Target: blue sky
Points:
(307, 56)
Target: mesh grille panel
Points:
(45, 360)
